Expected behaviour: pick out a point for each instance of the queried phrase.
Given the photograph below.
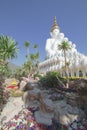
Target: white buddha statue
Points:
(52, 43)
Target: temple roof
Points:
(55, 25)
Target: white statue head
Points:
(54, 33)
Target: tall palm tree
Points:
(37, 56)
(32, 60)
(27, 67)
(64, 46)
(35, 62)
(35, 47)
(27, 45)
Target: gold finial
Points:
(55, 25)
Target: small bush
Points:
(50, 80)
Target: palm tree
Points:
(65, 47)
(27, 45)
(34, 58)
(35, 46)
(27, 67)
(32, 62)
(37, 56)
(8, 48)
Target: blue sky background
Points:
(32, 20)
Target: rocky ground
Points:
(66, 110)
(63, 112)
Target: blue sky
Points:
(32, 20)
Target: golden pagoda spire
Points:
(55, 25)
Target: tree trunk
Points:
(66, 69)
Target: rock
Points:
(25, 86)
(30, 98)
(42, 118)
(35, 91)
(71, 98)
(45, 113)
(82, 102)
(28, 86)
(66, 114)
(76, 95)
(22, 84)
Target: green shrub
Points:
(50, 79)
